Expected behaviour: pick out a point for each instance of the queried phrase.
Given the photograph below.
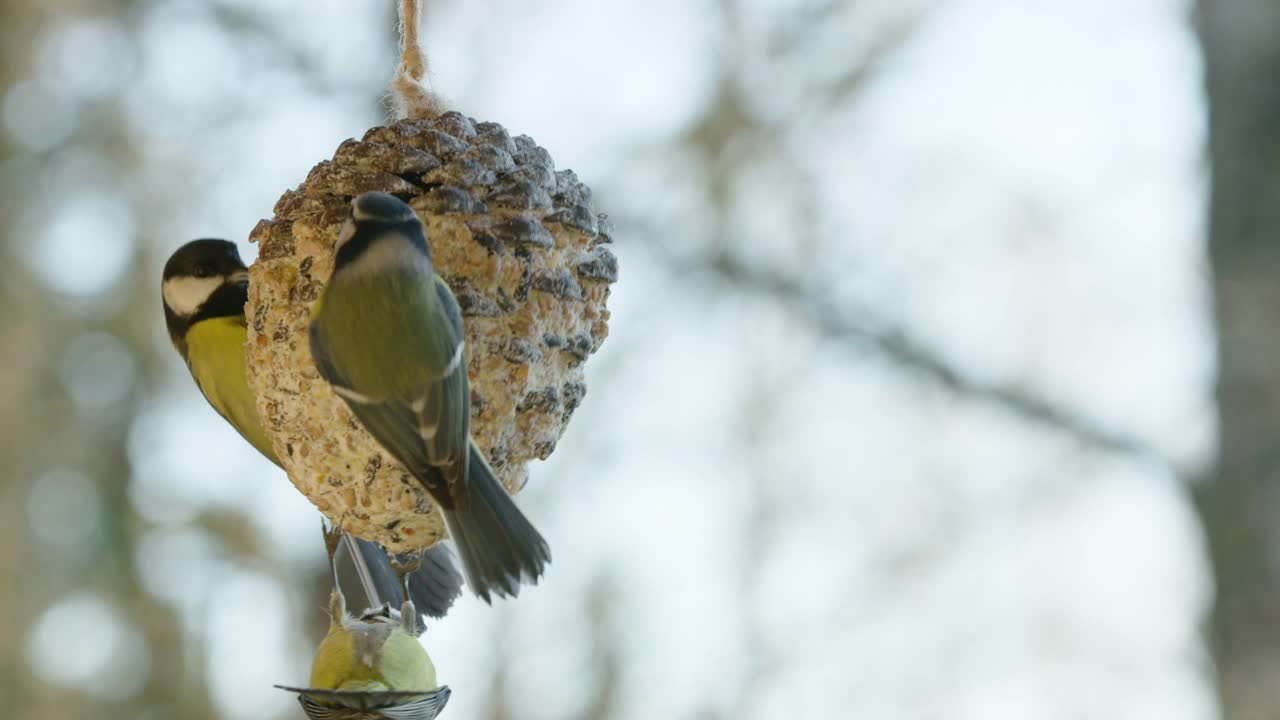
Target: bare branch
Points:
(730, 120)
(856, 325)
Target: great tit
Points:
(387, 334)
(372, 666)
(205, 289)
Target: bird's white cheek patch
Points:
(185, 295)
(385, 254)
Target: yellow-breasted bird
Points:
(205, 288)
(387, 334)
(370, 667)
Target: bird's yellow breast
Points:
(216, 354)
(371, 658)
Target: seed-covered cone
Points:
(524, 252)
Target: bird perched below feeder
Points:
(370, 667)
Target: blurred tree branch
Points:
(730, 123)
(898, 346)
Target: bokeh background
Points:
(943, 380)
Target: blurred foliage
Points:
(82, 359)
(117, 118)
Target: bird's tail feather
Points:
(497, 544)
(433, 587)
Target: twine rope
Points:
(410, 95)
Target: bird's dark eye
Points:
(203, 271)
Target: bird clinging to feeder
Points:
(370, 667)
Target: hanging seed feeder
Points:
(525, 253)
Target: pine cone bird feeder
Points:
(527, 257)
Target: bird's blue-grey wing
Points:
(391, 705)
(424, 709)
(443, 404)
(391, 421)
